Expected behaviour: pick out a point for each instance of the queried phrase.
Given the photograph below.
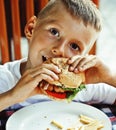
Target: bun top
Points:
(67, 79)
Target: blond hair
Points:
(84, 10)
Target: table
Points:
(109, 110)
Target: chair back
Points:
(14, 15)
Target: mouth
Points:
(44, 58)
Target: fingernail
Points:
(46, 87)
(56, 78)
(59, 70)
(69, 61)
(71, 68)
(76, 70)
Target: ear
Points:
(30, 27)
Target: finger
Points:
(52, 67)
(46, 68)
(45, 77)
(47, 72)
(86, 60)
(74, 62)
(72, 59)
(88, 64)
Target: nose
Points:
(58, 51)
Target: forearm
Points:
(111, 79)
(6, 100)
(98, 93)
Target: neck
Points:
(23, 67)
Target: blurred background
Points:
(105, 45)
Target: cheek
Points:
(35, 58)
(38, 43)
(41, 41)
(36, 49)
(34, 53)
(69, 53)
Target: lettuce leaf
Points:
(71, 92)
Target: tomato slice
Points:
(56, 95)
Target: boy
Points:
(64, 28)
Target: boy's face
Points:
(59, 35)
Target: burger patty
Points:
(51, 87)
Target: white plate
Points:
(40, 115)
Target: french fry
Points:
(91, 126)
(91, 123)
(88, 123)
(85, 119)
(71, 129)
(57, 124)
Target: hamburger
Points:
(69, 83)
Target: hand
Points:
(28, 84)
(95, 70)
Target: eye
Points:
(75, 46)
(54, 32)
